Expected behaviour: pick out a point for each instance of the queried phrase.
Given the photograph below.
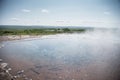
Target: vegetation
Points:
(42, 31)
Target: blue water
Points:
(98, 48)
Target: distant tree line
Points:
(38, 31)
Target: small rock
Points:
(20, 72)
(9, 69)
(26, 78)
(15, 76)
(3, 65)
(60, 77)
(1, 60)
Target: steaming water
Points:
(90, 55)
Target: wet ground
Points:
(85, 56)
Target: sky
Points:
(96, 13)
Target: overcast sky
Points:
(98, 13)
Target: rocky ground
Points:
(18, 37)
(5, 73)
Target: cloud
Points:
(60, 21)
(45, 11)
(15, 19)
(107, 13)
(26, 10)
(63, 21)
